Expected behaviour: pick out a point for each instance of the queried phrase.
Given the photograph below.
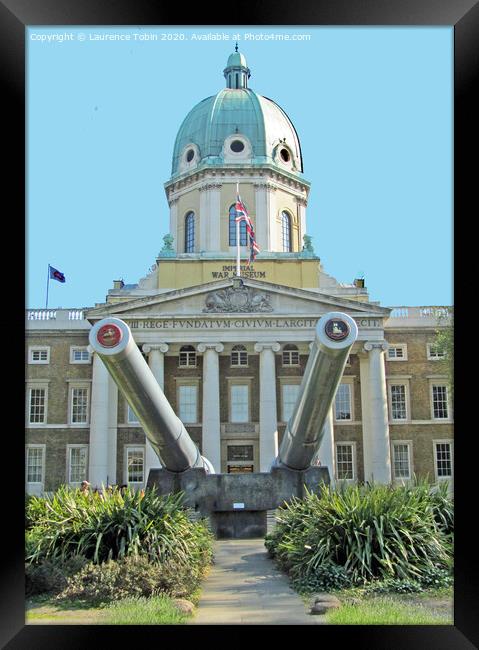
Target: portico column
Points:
(326, 454)
(211, 446)
(377, 457)
(268, 416)
(99, 423)
(156, 362)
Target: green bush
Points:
(115, 526)
(372, 532)
(154, 529)
(130, 577)
(49, 576)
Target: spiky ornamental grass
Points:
(372, 532)
(115, 526)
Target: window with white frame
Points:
(435, 352)
(39, 354)
(342, 402)
(77, 463)
(79, 402)
(79, 354)
(440, 405)
(188, 403)
(135, 466)
(239, 403)
(401, 460)
(187, 356)
(130, 415)
(289, 395)
(37, 405)
(397, 352)
(398, 402)
(345, 461)
(443, 462)
(290, 355)
(239, 356)
(35, 464)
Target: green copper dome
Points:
(236, 126)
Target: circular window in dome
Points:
(284, 153)
(237, 146)
(190, 154)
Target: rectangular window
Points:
(443, 453)
(37, 406)
(342, 403)
(398, 402)
(440, 402)
(187, 358)
(239, 395)
(345, 461)
(188, 403)
(401, 461)
(39, 354)
(397, 352)
(135, 465)
(435, 353)
(77, 464)
(79, 355)
(79, 405)
(131, 417)
(290, 357)
(35, 464)
(290, 394)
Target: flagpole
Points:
(48, 283)
(238, 272)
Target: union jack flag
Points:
(242, 215)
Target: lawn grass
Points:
(393, 609)
(156, 610)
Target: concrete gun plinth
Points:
(236, 504)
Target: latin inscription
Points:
(238, 323)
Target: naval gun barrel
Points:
(335, 334)
(113, 341)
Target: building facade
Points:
(230, 352)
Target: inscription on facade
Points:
(229, 271)
(239, 323)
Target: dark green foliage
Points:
(154, 530)
(327, 577)
(49, 576)
(115, 526)
(372, 532)
(130, 577)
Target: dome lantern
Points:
(236, 72)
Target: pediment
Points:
(222, 297)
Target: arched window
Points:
(187, 356)
(190, 232)
(290, 355)
(239, 356)
(243, 239)
(286, 231)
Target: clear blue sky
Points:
(372, 107)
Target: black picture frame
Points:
(16, 15)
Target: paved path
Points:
(244, 587)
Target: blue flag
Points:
(55, 274)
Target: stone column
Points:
(326, 454)
(156, 362)
(112, 430)
(209, 233)
(211, 446)
(268, 416)
(99, 424)
(265, 221)
(377, 455)
(302, 203)
(173, 203)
